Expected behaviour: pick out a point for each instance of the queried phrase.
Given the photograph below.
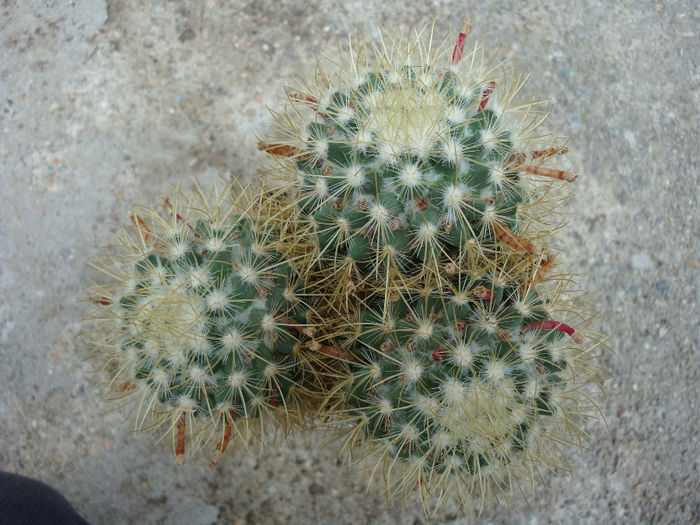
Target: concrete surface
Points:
(106, 104)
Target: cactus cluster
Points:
(397, 282)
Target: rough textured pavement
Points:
(107, 104)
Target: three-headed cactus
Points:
(399, 279)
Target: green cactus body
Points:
(456, 396)
(205, 320)
(404, 163)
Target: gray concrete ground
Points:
(106, 104)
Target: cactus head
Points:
(406, 159)
(198, 323)
(465, 393)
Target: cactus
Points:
(459, 393)
(431, 209)
(401, 165)
(199, 324)
(398, 284)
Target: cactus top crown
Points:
(409, 159)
